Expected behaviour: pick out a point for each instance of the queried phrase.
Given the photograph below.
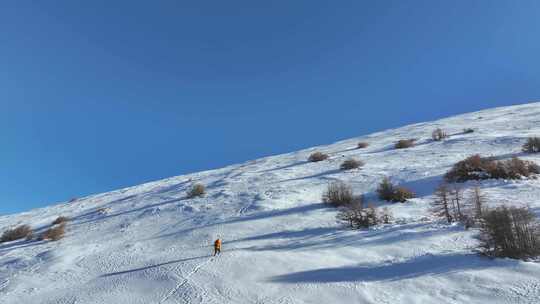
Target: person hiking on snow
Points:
(217, 247)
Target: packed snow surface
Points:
(281, 244)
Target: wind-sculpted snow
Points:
(281, 244)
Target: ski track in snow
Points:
(281, 244)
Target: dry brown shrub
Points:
(405, 143)
(317, 157)
(22, 231)
(350, 164)
(196, 191)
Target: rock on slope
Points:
(281, 245)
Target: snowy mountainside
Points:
(280, 243)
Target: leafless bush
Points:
(358, 217)
(350, 213)
(385, 216)
(54, 233)
(60, 220)
(510, 232)
(351, 163)
(477, 168)
(340, 194)
(438, 134)
(196, 191)
(362, 145)
(22, 231)
(532, 145)
(388, 192)
(405, 143)
(317, 157)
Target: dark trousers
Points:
(217, 250)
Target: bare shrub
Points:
(510, 232)
(60, 220)
(388, 192)
(405, 143)
(477, 168)
(532, 145)
(19, 232)
(358, 217)
(468, 131)
(385, 216)
(362, 145)
(350, 164)
(196, 191)
(54, 233)
(438, 134)
(349, 213)
(340, 194)
(317, 157)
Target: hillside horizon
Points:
(152, 243)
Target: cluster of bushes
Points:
(317, 157)
(351, 207)
(477, 168)
(405, 143)
(532, 145)
(389, 192)
(54, 233)
(196, 190)
(504, 231)
(357, 217)
(348, 164)
(510, 232)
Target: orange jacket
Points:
(217, 244)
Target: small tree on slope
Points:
(441, 204)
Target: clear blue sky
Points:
(99, 95)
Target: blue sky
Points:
(99, 95)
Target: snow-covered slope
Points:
(281, 244)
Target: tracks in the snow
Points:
(184, 281)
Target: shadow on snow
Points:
(426, 265)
